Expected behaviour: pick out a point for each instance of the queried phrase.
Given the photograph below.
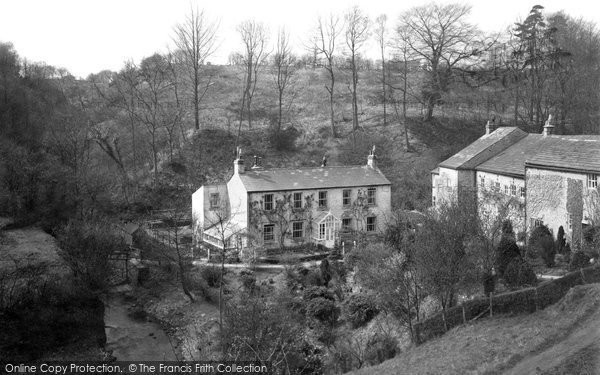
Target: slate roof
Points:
(483, 148)
(579, 153)
(575, 152)
(277, 179)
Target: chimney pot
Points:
(372, 159)
(548, 128)
(238, 163)
(490, 127)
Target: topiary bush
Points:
(360, 309)
(547, 250)
(519, 273)
(541, 243)
(579, 259)
(506, 251)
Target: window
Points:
(371, 223)
(371, 193)
(322, 199)
(522, 191)
(569, 222)
(297, 229)
(482, 182)
(268, 202)
(347, 223)
(297, 200)
(513, 190)
(506, 189)
(497, 186)
(433, 200)
(214, 200)
(536, 223)
(346, 197)
(268, 230)
(322, 231)
(592, 181)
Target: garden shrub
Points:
(360, 309)
(541, 243)
(322, 309)
(519, 273)
(547, 250)
(506, 251)
(579, 259)
(212, 275)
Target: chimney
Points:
(372, 159)
(548, 128)
(324, 162)
(257, 162)
(238, 163)
(490, 126)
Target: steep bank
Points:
(544, 342)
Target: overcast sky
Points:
(93, 35)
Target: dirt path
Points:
(587, 335)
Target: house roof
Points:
(577, 152)
(484, 148)
(277, 179)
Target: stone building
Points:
(274, 207)
(531, 179)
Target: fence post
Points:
(464, 315)
(491, 304)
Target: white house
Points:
(273, 207)
(534, 178)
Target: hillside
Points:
(562, 339)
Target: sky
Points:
(87, 36)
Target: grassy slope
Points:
(208, 155)
(498, 344)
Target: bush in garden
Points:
(322, 309)
(560, 240)
(360, 309)
(547, 250)
(579, 259)
(519, 273)
(537, 239)
(212, 275)
(506, 251)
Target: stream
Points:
(133, 339)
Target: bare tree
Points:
(442, 37)
(254, 37)
(324, 44)
(357, 32)
(380, 33)
(284, 64)
(195, 38)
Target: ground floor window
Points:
(268, 232)
(297, 229)
(347, 223)
(371, 223)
